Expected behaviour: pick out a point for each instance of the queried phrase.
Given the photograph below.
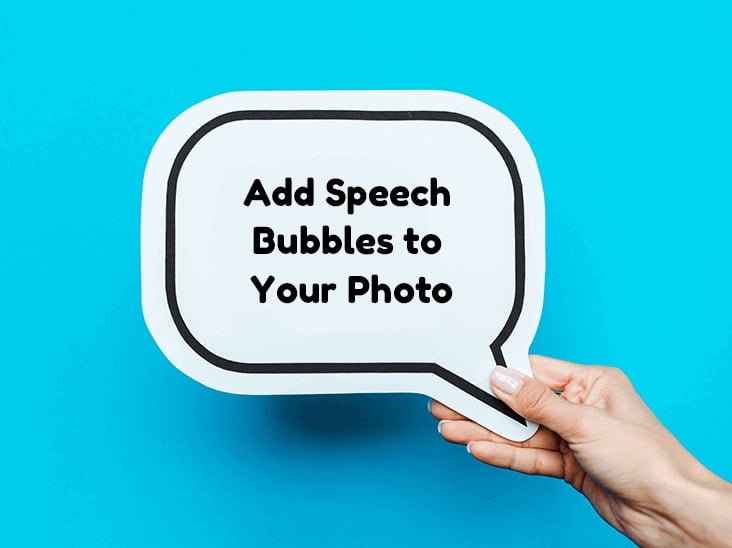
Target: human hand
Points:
(599, 436)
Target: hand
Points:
(600, 437)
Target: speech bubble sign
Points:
(343, 242)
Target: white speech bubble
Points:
(438, 163)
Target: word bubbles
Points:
(341, 242)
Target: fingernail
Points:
(429, 406)
(439, 427)
(467, 447)
(506, 380)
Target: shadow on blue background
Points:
(626, 106)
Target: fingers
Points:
(556, 374)
(537, 402)
(550, 371)
(465, 431)
(443, 412)
(532, 398)
(520, 459)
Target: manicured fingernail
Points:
(506, 380)
(429, 406)
(439, 427)
(467, 447)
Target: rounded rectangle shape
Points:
(336, 242)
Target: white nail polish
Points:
(439, 427)
(467, 448)
(506, 380)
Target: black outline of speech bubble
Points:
(379, 367)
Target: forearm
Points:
(693, 511)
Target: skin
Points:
(599, 436)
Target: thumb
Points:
(537, 402)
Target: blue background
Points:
(627, 109)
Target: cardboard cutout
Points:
(342, 242)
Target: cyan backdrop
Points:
(627, 107)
